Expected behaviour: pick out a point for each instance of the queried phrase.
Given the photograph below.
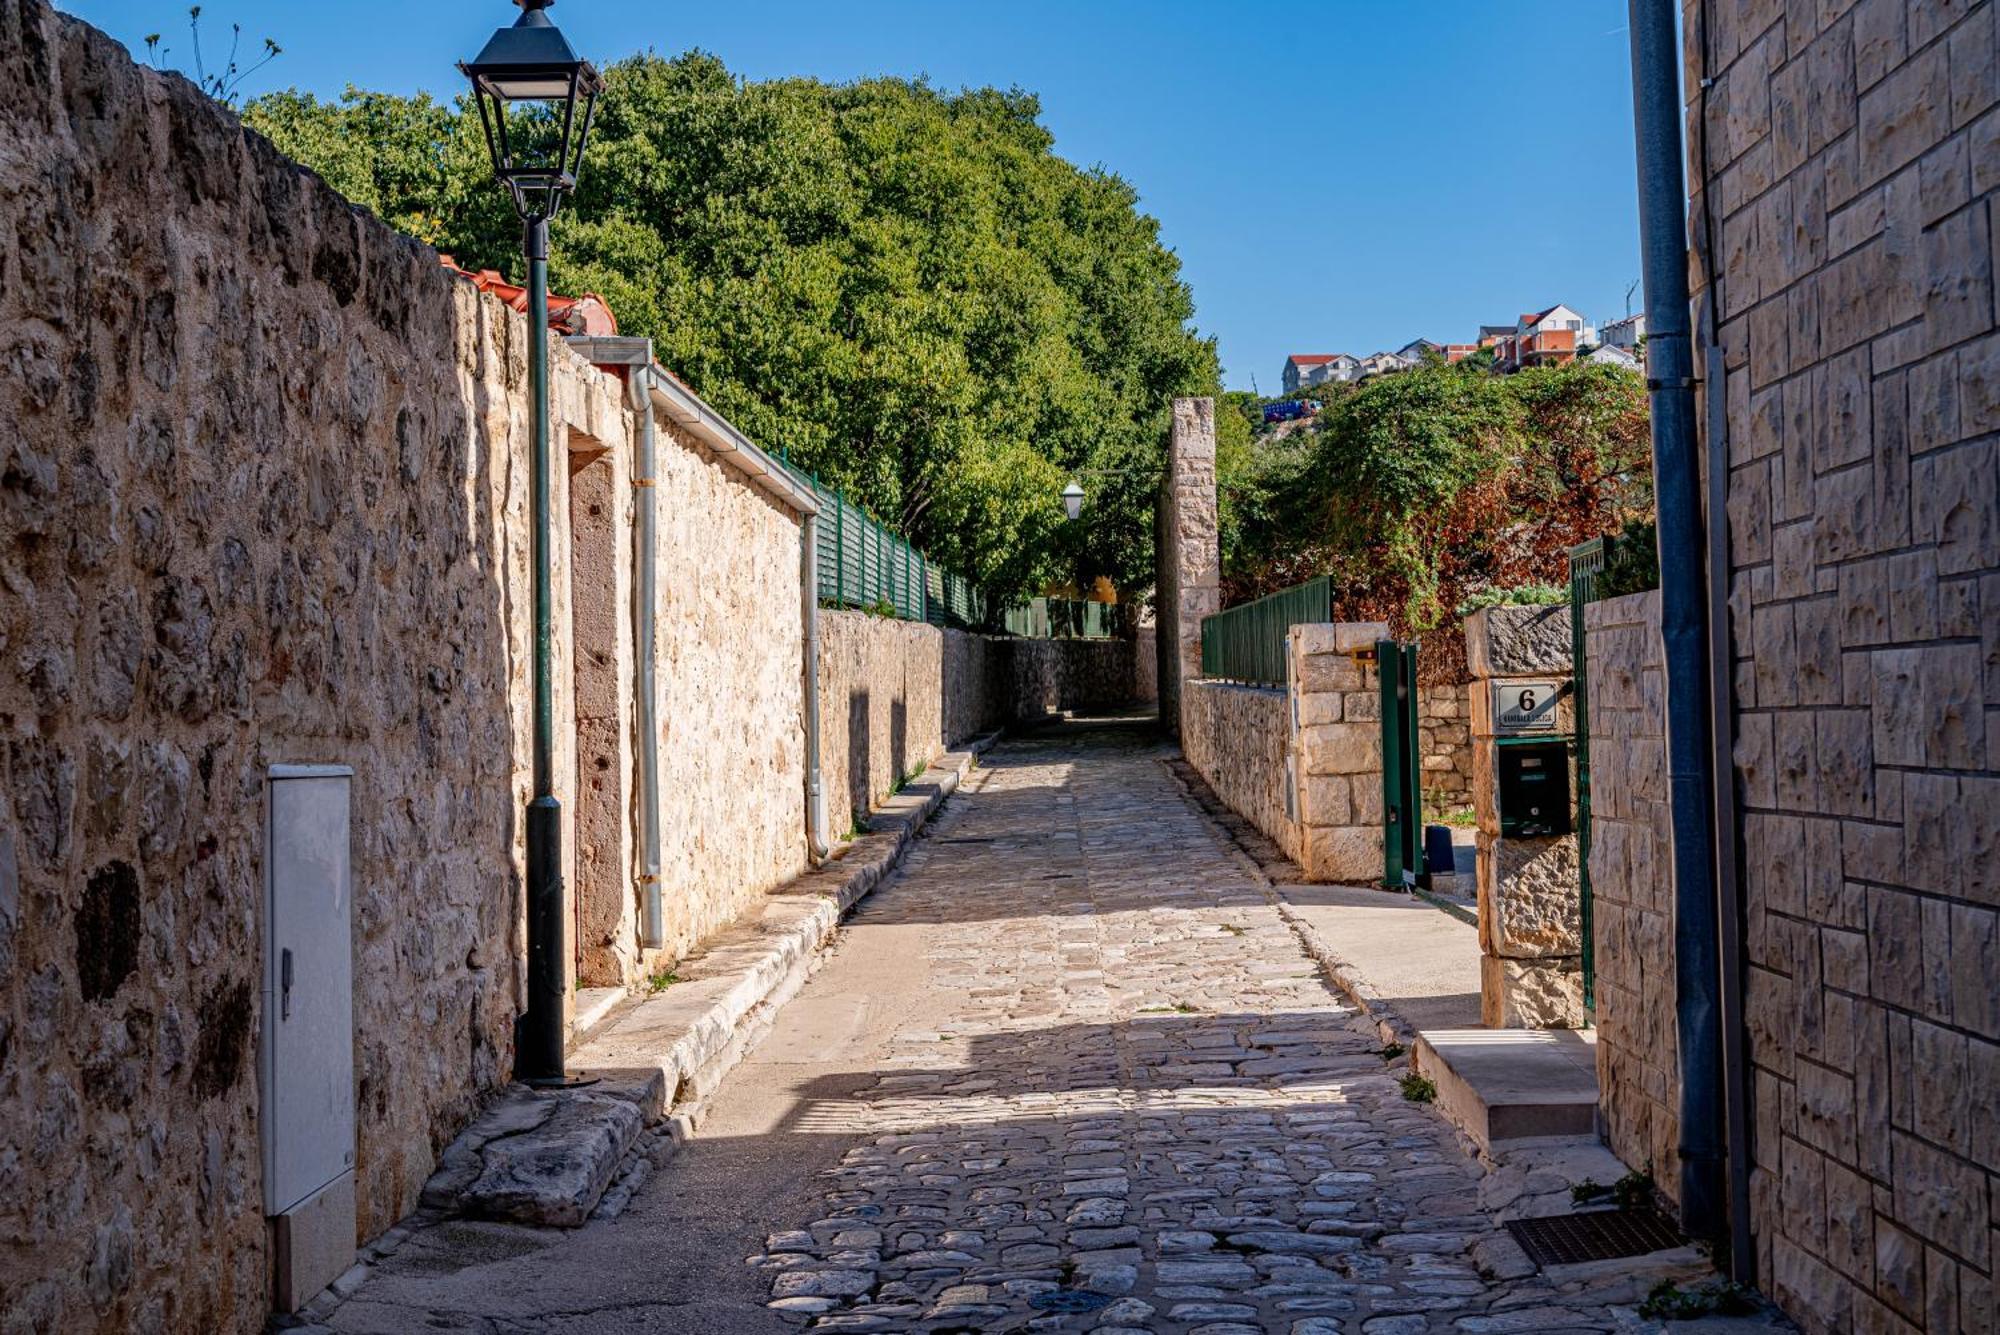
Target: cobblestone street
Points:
(1068, 1071)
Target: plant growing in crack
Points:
(1418, 1089)
(661, 981)
(1389, 1051)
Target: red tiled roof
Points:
(1313, 358)
(587, 314)
(1540, 316)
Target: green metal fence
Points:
(1247, 643)
(1586, 563)
(1068, 619)
(863, 564)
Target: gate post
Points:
(1187, 554)
(1335, 758)
(1530, 926)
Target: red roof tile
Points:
(587, 314)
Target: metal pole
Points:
(539, 1047)
(645, 594)
(1656, 103)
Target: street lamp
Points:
(1073, 499)
(537, 157)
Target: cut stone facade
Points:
(1845, 159)
(1632, 886)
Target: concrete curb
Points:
(1273, 869)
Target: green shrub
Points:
(1631, 561)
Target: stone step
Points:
(1501, 1085)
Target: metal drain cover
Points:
(1594, 1235)
(1070, 1300)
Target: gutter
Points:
(1656, 113)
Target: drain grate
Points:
(1069, 1300)
(1595, 1235)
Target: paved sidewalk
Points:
(1067, 1071)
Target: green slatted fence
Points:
(1247, 643)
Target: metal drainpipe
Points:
(817, 841)
(652, 928)
(1656, 105)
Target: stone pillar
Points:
(1530, 910)
(1336, 752)
(1188, 554)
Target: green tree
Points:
(905, 290)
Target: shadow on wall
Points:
(859, 800)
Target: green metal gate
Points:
(1402, 795)
(1586, 563)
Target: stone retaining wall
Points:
(1632, 886)
(1444, 746)
(1239, 738)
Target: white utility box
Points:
(306, 1058)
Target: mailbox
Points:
(1534, 788)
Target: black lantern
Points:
(533, 62)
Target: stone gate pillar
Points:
(1530, 918)
(1187, 553)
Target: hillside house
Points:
(1303, 370)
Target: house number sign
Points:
(1525, 706)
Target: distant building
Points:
(1413, 351)
(1540, 338)
(1610, 354)
(1624, 333)
(1378, 363)
(1303, 370)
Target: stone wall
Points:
(1847, 158)
(1239, 738)
(894, 695)
(1444, 746)
(263, 494)
(1632, 887)
(730, 679)
(1302, 764)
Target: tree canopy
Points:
(1419, 489)
(906, 290)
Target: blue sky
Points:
(1388, 170)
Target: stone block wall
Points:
(1632, 887)
(1302, 764)
(1846, 158)
(263, 498)
(1444, 746)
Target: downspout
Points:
(653, 928)
(1656, 106)
(1722, 690)
(817, 841)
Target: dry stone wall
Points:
(1846, 159)
(1632, 886)
(263, 498)
(1444, 746)
(1239, 738)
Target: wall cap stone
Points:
(1518, 641)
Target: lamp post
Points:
(1073, 500)
(537, 157)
